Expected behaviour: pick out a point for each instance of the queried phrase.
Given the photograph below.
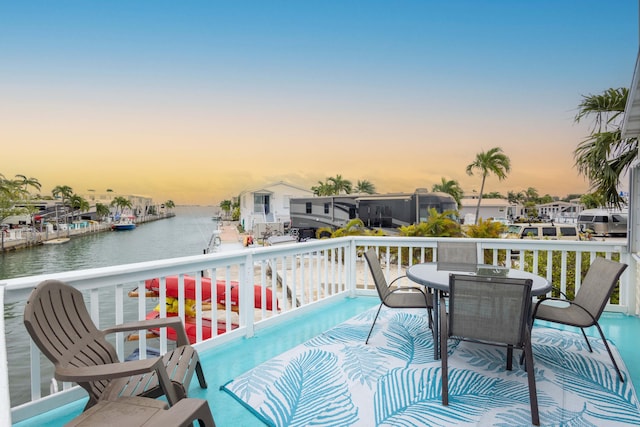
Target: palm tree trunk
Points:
(484, 176)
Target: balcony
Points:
(318, 285)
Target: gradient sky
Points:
(195, 101)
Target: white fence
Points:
(295, 277)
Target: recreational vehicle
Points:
(379, 210)
(603, 222)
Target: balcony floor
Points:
(223, 365)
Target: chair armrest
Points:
(108, 371)
(119, 370)
(570, 302)
(168, 322)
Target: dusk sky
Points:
(196, 101)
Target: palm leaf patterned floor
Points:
(335, 379)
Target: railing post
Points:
(5, 396)
(247, 310)
(350, 261)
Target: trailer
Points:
(392, 210)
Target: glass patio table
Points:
(435, 275)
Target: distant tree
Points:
(494, 162)
(531, 194)
(340, 184)
(323, 189)
(515, 198)
(102, 211)
(78, 203)
(593, 200)
(365, 187)
(64, 192)
(28, 182)
(450, 187)
(603, 157)
(121, 203)
(493, 195)
(225, 205)
(169, 204)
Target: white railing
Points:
(299, 276)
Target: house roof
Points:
(484, 202)
(268, 188)
(631, 123)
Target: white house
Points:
(489, 208)
(268, 205)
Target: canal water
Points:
(188, 233)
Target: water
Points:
(188, 233)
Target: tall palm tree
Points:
(603, 157)
(365, 187)
(494, 162)
(450, 187)
(79, 203)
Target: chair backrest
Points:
(58, 322)
(457, 252)
(598, 284)
(491, 309)
(378, 275)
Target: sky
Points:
(195, 101)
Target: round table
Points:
(435, 275)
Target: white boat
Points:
(57, 241)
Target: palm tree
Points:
(120, 203)
(450, 187)
(323, 189)
(169, 204)
(603, 157)
(64, 192)
(340, 184)
(225, 205)
(102, 210)
(79, 203)
(494, 162)
(29, 182)
(365, 187)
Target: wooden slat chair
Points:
(57, 320)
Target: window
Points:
(530, 232)
(548, 231)
(326, 208)
(307, 207)
(568, 231)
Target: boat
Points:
(57, 241)
(125, 223)
(209, 317)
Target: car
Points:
(541, 231)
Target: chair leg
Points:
(587, 339)
(604, 340)
(533, 394)
(373, 324)
(509, 358)
(444, 354)
(200, 374)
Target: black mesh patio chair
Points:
(395, 297)
(585, 309)
(58, 322)
(489, 310)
